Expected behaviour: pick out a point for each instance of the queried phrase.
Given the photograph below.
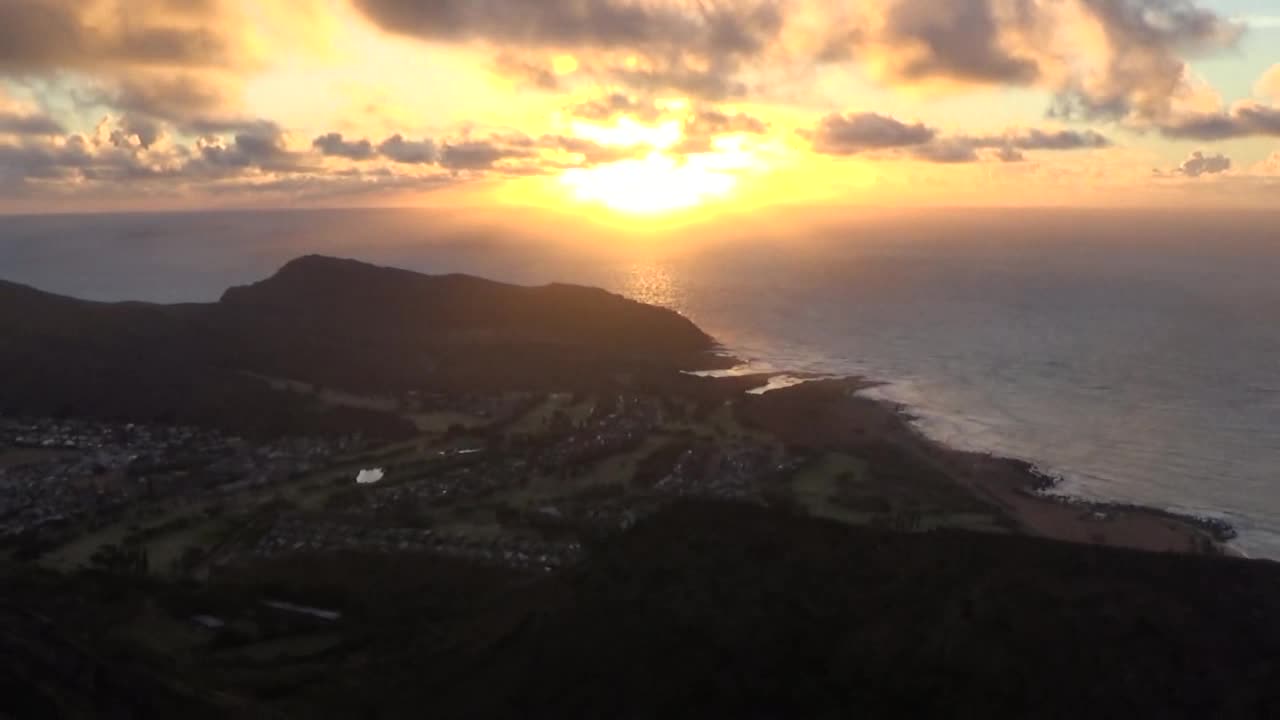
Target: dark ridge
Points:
(406, 302)
(325, 321)
(714, 610)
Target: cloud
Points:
(182, 98)
(859, 132)
(1034, 139)
(957, 39)
(950, 151)
(320, 188)
(38, 35)
(333, 145)
(1100, 58)
(144, 131)
(715, 122)
(866, 132)
(1271, 165)
(1009, 146)
(261, 146)
(614, 105)
(704, 125)
(527, 72)
(482, 154)
(714, 83)
(1200, 164)
(154, 62)
(409, 152)
(108, 155)
(1268, 87)
(1247, 118)
(723, 27)
(696, 48)
(466, 154)
(594, 153)
(113, 163)
(18, 123)
(1143, 43)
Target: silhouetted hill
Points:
(715, 610)
(347, 323)
(325, 321)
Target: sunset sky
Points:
(637, 107)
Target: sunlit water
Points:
(1139, 357)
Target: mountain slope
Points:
(363, 327)
(327, 321)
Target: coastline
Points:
(833, 412)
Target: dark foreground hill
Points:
(714, 610)
(330, 322)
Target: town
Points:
(58, 477)
(516, 480)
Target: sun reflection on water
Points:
(652, 283)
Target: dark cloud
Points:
(1200, 164)
(230, 125)
(696, 48)
(144, 130)
(334, 145)
(707, 27)
(182, 98)
(13, 123)
(42, 35)
(1035, 139)
(956, 39)
(409, 152)
(261, 146)
(947, 151)
(1009, 146)
(1244, 120)
(42, 162)
(859, 132)
(481, 154)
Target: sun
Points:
(661, 181)
(649, 186)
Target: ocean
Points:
(1134, 353)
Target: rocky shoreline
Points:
(838, 415)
